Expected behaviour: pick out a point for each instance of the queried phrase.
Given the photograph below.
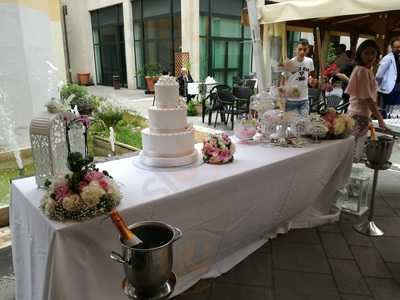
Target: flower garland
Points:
(82, 194)
(218, 149)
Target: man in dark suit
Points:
(183, 81)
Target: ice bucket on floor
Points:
(149, 266)
(379, 152)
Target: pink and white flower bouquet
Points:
(82, 194)
(218, 149)
(339, 125)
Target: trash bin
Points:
(116, 82)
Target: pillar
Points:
(190, 21)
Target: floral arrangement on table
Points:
(339, 125)
(218, 149)
(82, 194)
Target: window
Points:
(109, 44)
(225, 45)
(157, 34)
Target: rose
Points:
(61, 191)
(92, 193)
(93, 175)
(103, 183)
(72, 203)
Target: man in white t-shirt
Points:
(296, 89)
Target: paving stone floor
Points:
(331, 262)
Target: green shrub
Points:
(73, 89)
(109, 115)
(191, 109)
(331, 55)
(150, 70)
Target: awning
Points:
(308, 9)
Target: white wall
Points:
(80, 40)
(28, 38)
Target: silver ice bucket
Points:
(379, 152)
(148, 266)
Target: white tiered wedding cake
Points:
(169, 140)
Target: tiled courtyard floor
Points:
(331, 262)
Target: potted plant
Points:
(151, 73)
(191, 109)
(83, 78)
(74, 94)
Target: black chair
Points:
(250, 83)
(229, 106)
(237, 81)
(336, 102)
(242, 92)
(209, 103)
(315, 100)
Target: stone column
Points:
(190, 11)
(129, 45)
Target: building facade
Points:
(121, 37)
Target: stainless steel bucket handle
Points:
(177, 234)
(117, 257)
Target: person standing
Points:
(362, 89)
(388, 76)
(183, 81)
(296, 90)
(341, 56)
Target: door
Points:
(109, 44)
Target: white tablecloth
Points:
(225, 212)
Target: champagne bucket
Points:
(379, 152)
(148, 267)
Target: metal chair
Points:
(229, 106)
(336, 102)
(314, 98)
(211, 99)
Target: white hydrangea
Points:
(233, 148)
(50, 206)
(113, 189)
(92, 193)
(72, 203)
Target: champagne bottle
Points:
(127, 236)
(373, 133)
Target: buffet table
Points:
(225, 212)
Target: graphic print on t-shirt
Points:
(298, 79)
(302, 71)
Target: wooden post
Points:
(353, 42)
(320, 58)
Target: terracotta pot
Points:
(150, 81)
(83, 78)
